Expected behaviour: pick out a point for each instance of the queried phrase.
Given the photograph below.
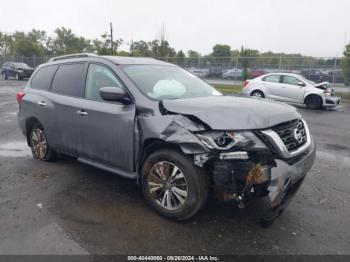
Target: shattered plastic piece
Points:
(257, 175)
(39, 205)
(200, 159)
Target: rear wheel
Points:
(39, 144)
(257, 94)
(313, 102)
(173, 185)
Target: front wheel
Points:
(40, 146)
(173, 185)
(5, 76)
(18, 77)
(313, 102)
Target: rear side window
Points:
(272, 78)
(68, 80)
(42, 79)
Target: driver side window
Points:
(99, 76)
(290, 80)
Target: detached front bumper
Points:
(285, 181)
(266, 177)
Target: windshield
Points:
(307, 80)
(21, 65)
(168, 82)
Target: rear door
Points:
(38, 101)
(11, 70)
(271, 85)
(67, 93)
(107, 128)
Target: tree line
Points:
(63, 41)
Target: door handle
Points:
(41, 103)
(82, 113)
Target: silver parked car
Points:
(292, 88)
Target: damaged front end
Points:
(256, 164)
(265, 165)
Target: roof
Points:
(283, 73)
(127, 60)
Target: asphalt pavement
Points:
(66, 207)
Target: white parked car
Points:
(292, 88)
(201, 73)
(234, 73)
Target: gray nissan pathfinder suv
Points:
(177, 136)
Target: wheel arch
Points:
(311, 95)
(151, 145)
(30, 122)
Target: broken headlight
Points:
(224, 140)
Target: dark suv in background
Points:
(177, 136)
(16, 70)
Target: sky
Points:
(309, 27)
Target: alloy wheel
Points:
(167, 185)
(39, 144)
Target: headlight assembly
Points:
(224, 140)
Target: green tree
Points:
(346, 65)
(180, 58)
(193, 58)
(221, 54)
(65, 42)
(140, 48)
(247, 58)
(5, 43)
(23, 44)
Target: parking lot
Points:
(67, 207)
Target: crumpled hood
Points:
(233, 113)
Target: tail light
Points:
(20, 96)
(245, 83)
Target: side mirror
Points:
(301, 83)
(114, 94)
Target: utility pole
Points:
(132, 47)
(112, 47)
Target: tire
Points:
(188, 178)
(257, 94)
(39, 144)
(5, 76)
(18, 77)
(313, 102)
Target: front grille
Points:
(292, 134)
(27, 73)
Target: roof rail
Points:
(72, 56)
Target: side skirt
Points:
(114, 170)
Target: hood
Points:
(326, 83)
(25, 69)
(233, 113)
(325, 86)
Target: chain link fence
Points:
(317, 69)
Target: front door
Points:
(291, 89)
(106, 128)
